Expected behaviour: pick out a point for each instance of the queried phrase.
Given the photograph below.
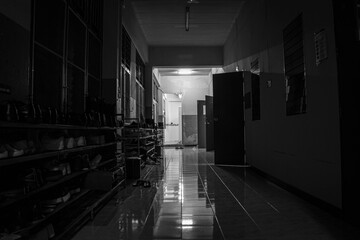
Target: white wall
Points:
(301, 150)
(193, 88)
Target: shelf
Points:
(41, 189)
(139, 145)
(88, 211)
(150, 143)
(66, 216)
(150, 150)
(27, 231)
(50, 126)
(27, 158)
(105, 162)
(135, 156)
(106, 195)
(137, 137)
(132, 145)
(51, 185)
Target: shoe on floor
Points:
(146, 184)
(138, 183)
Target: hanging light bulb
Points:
(187, 16)
(180, 95)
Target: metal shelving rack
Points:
(95, 198)
(137, 146)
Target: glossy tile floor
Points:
(190, 198)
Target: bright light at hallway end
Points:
(185, 71)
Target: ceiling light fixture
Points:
(184, 71)
(187, 16)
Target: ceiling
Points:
(163, 21)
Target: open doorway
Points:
(186, 86)
(173, 128)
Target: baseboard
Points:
(335, 211)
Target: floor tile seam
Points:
(257, 193)
(253, 189)
(212, 208)
(262, 198)
(232, 194)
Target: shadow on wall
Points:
(296, 148)
(189, 131)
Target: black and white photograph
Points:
(179, 119)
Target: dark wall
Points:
(15, 49)
(133, 28)
(348, 45)
(111, 39)
(302, 150)
(201, 124)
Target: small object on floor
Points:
(137, 183)
(152, 162)
(146, 184)
(143, 183)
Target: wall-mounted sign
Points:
(268, 83)
(321, 51)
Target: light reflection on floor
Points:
(190, 198)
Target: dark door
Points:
(201, 123)
(228, 118)
(209, 123)
(347, 35)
